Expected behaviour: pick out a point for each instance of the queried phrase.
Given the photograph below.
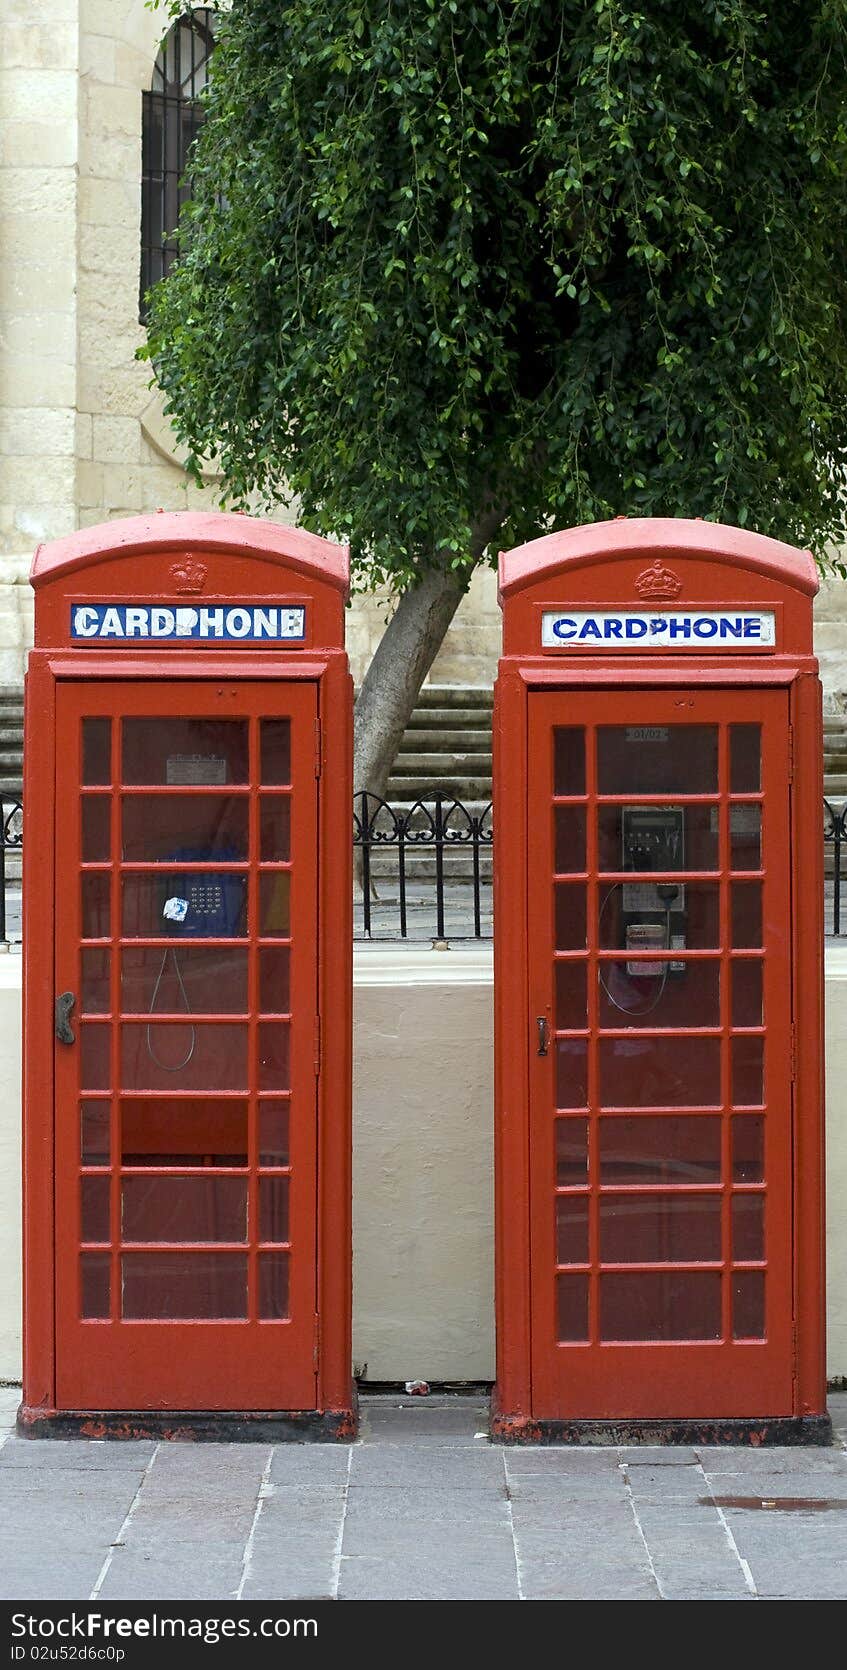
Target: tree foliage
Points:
(551, 260)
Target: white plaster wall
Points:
(423, 1298)
(10, 1167)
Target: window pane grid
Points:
(739, 916)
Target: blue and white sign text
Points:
(245, 623)
(631, 629)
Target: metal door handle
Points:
(541, 1023)
(64, 1031)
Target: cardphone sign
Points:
(245, 623)
(628, 629)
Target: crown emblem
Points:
(188, 575)
(658, 582)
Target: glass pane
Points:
(572, 1307)
(95, 1063)
(276, 750)
(572, 1229)
(746, 908)
(748, 1228)
(273, 1286)
(94, 998)
(747, 1001)
(273, 1134)
(659, 1229)
(183, 1132)
(745, 837)
(179, 828)
(748, 1304)
(175, 1285)
(184, 1209)
(273, 1208)
(570, 917)
(657, 759)
(659, 992)
(669, 1150)
(569, 760)
(190, 978)
(660, 1072)
(96, 828)
(571, 1151)
(661, 1305)
(571, 1072)
(94, 1144)
(688, 914)
(748, 1148)
(185, 752)
(275, 827)
(187, 904)
(571, 998)
(95, 1284)
(275, 895)
(570, 838)
(96, 890)
(745, 768)
(274, 1055)
(96, 751)
(748, 1071)
(94, 1208)
(275, 979)
(166, 1055)
(647, 838)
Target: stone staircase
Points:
(835, 757)
(446, 749)
(11, 741)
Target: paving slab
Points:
(420, 1507)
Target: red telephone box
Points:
(658, 980)
(187, 983)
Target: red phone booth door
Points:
(185, 1106)
(659, 899)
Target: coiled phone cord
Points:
(170, 951)
(648, 1008)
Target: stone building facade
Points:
(82, 435)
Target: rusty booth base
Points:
(780, 1429)
(215, 1426)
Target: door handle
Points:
(541, 1024)
(64, 1031)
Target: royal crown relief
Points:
(666, 629)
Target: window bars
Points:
(171, 118)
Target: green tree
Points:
(459, 272)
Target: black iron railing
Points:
(11, 841)
(422, 871)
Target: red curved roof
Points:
(651, 536)
(292, 548)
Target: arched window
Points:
(171, 118)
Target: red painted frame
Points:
(599, 566)
(244, 560)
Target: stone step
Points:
(436, 764)
(446, 741)
(451, 718)
(456, 695)
(450, 788)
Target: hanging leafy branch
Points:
(558, 260)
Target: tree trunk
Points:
(402, 659)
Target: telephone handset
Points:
(652, 914)
(200, 904)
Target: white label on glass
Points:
(175, 910)
(632, 629)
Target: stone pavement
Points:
(422, 1507)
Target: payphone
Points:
(188, 983)
(658, 979)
